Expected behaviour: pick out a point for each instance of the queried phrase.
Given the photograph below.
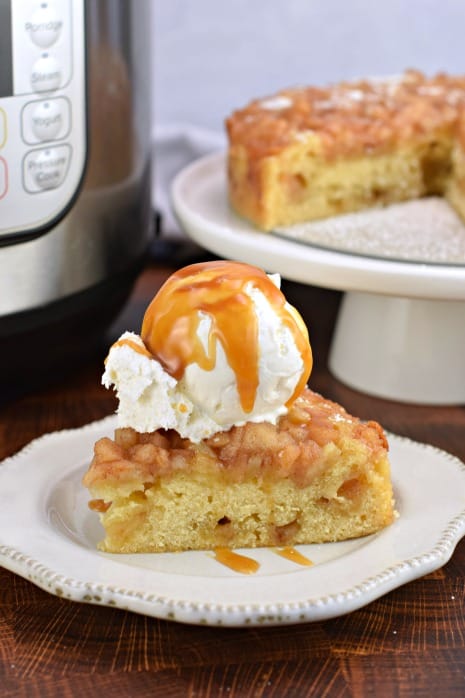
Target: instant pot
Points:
(75, 211)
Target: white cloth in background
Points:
(174, 147)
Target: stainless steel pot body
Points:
(75, 209)
(101, 228)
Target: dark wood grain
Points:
(411, 642)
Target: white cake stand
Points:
(400, 332)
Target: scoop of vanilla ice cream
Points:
(204, 402)
(280, 367)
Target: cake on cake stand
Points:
(400, 332)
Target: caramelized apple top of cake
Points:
(296, 448)
(349, 118)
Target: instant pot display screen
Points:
(6, 71)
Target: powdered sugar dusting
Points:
(425, 230)
(278, 102)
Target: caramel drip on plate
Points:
(217, 289)
(236, 562)
(246, 565)
(294, 556)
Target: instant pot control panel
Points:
(42, 113)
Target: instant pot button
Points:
(47, 119)
(46, 74)
(45, 26)
(46, 168)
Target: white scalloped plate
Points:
(48, 535)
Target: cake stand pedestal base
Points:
(402, 349)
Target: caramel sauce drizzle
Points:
(169, 328)
(294, 556)
(236, 562)
(134, 345)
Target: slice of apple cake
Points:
(317, 475)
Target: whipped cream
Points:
(149, 398)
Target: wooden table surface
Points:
(411, 642)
